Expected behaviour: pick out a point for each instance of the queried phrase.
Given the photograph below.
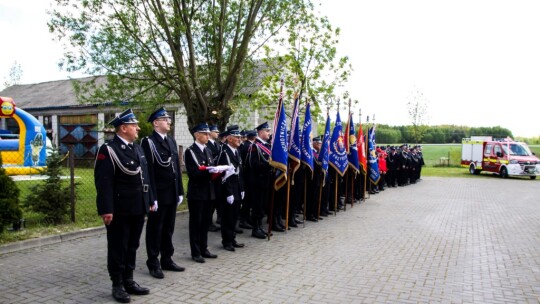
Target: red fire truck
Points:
(504, 157)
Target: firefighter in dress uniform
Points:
(201, 193)
(166, 183)
(245, 209)
(123, 198)
(215, 145)
(232, 188)
(258, 157)
(314, 185)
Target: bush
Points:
(10, 211)
(51, 198)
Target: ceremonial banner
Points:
(325, 149)
(278, 157)
(361, 147)
(294, 140)
(338, 154)
(374, 174)
(307, 152)
(352, 150)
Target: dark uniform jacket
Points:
(164, 168)
(234, 184)
(200, 185)
(119, 191)
(258, 160)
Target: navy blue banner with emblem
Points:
(374, 174)
(307, 151)
(338, 152)
(325, 149)
(352, 150)
(278, 158)
(294, 140)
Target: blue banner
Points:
(338, 152)
(294, 140)
(307, 151)
(325, 149)
(352, 151)
(278, 158)
(374, 174)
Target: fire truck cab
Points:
(504, 157)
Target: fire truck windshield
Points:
(517, 149)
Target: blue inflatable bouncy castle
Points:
(27, 154)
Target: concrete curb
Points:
(49, 240)
(55, 239)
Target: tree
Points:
(51, 197)
(10, 210)
(188, 52)
(310, 61)
(417, 108)
(15, 74)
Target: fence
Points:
(78, 175)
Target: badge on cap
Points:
(126, 117)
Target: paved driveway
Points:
(443, 240)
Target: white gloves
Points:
(180, 200)
(155, 207)
(230, 199)
(217, 169)
(242, 194)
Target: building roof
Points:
(51, 94)
(60, 94)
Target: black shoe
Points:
(245, 225)
(312, 219)
(213, 228)
(293, 224)
(172, 267)
(298, 221)
(157, 273)
(133, 288)
(258, 234)
(228, 247)
(198, 259)
(238, 245)
(120, 294)
(278, 229)
(209, 255)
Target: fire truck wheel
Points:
(504, 172)
(472, 170)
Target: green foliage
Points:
(153, 52)
(10, 210)
(308, 64)
(51, 198)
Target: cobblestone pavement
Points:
(443, 240)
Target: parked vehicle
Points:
(504, 157)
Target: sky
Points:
(476, 62)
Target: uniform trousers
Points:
(229, 214)
(200, 217)
(123, 237)
(159, 232)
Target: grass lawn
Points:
(441, 160)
